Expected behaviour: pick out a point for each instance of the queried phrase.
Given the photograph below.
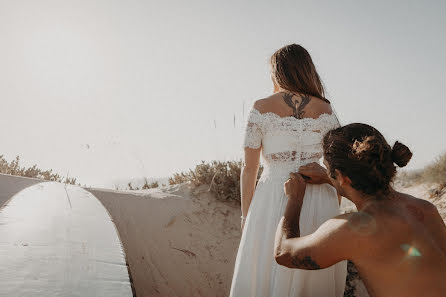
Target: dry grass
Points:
(146, 186)
(434, 173)
(14, 168)
(223, 178)
(409, 178)
(150, 186)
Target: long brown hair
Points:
(361, 152)
(293, 70)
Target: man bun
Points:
(401, 154)
(361, 153)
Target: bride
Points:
(286, 128)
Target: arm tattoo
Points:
(305, 263)
(298, 109)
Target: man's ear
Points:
(342, 179)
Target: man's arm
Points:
(289, 224)
(314, 173)
(327, 246)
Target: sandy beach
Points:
(179, 240)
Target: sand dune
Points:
(180, 241)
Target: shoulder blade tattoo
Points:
(298, 109)
(288, 98)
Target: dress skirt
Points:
(256, 273)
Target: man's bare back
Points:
(399, 247)
(396, 241)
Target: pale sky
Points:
(107, 90)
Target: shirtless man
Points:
(396, 241)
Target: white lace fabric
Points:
(256, 272)
(287, 143)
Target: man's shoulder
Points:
(338, 233)
(426, 205)
(421, 204)
(358, 227)
(339, 225)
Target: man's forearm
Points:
(290, 227)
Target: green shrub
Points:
(223, 178)
(14, 168)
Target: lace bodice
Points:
(287, 142)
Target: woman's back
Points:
(286, 129)
(290, 135)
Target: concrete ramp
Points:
(58, 240)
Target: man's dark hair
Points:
(361, 152)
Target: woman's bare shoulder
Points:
(311, 107)
(317, 107)
(273, 103)
(268, 103)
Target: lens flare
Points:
(410, 250)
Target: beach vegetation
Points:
(14, 168)
(222, 177)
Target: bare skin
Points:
(397, 242)
(284, 104)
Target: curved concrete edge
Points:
(62, 222)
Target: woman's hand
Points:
(295, 187)
(314, 174)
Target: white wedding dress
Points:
(287, 143)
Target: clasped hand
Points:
(311, 173)
(295, 186)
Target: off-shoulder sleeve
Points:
(329, 123)
(253, 130)
(335, 123)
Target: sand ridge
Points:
(179, 241)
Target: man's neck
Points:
(361, 200)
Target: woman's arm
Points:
(248, 179)
(253, 145)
